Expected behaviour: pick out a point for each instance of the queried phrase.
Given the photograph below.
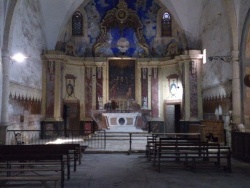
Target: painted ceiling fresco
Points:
(118, 40)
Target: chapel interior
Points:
(89, 65)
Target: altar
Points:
(122, 122)
(121, 119)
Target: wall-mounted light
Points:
(204, 56)
(227, 58)
(18, 57)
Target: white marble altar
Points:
(121, 119)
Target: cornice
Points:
(102, 61)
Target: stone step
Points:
(124, 129)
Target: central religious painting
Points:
(122, 79)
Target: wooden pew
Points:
(185, 152)
(154, 139)
(70, 149)
(63, 149)
(8, 160)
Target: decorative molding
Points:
(21, 91)
(226, 59)
(218, 91)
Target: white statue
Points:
(100, 103)
(144, 103)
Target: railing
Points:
(109, 141)
(31, 137)
(126, 141)
(183, 135)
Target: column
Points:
(5, 88)
(5, 96)
(236, 88)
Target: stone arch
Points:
(237, 77)
(7, 41)
(8, 27)
(232, 22)
(244, 60)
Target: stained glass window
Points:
(77, 23)
(166, 28)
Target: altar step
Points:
(124, 128)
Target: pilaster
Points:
(186, 90)
(58, 91)
(191, 78)
(94, 75)
(149, 87)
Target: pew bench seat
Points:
(192, 154)
(46, 178)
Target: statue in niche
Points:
(100, 103)
(129, 93)
(173, 88)
(70, 49)
(144, 103)
(172, 49)
(113, 92)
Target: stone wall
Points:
(216, 39)
(28, 38)
(26, 78)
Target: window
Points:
(166, 28)
(77, 23)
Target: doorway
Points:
(72, 115)
(172, 116)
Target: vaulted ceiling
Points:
(57, 12)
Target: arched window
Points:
(77, 23)
(166, 28)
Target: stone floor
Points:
(134, 171)
(110, 170)
(113, 167)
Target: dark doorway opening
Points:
(172, 117)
